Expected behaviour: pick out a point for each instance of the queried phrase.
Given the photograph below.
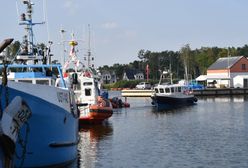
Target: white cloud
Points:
(70, 6)
(110, 25)
(130, 34)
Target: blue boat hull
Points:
(49, 137)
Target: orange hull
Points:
(97, 114)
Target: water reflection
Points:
(159, 111)
(238, 98)
(212, 133)
(89, 144)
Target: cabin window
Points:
(167, 90)
(25, 81)
(87, 92)
(156, 90)
(87, 83)
(53, 82)
(172, 90)
(42, 82)
(161, 90)
(179, 89)
(243, 66)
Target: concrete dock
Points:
(136, 93)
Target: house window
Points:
(243, 66)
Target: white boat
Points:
(93, 107)
(49, 137)
(170, 96)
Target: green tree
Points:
(185, 57)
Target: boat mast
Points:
(28, 39)
(62, 32)
(89, 57)
(170, 71)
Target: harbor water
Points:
(211, 134)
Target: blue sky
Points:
(120, 28)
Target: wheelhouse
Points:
(170, 89)
(35, 74)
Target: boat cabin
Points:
(33, 78)
(36, 74)
(170, 89)
(86, 89)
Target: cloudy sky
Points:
(120, 28)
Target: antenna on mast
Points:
(17, 11)
(89, 56)
(62, 32)
(45, 18)
(27, 52)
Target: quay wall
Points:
(225, 91)
(204, 92)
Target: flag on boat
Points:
(66, 65)
(72, 52)
(77, 63)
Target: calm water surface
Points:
(211, 134)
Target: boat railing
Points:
(44, 67)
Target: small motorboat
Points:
(170, 96)
(118, 103)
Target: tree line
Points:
(186, 61)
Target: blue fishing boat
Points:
(48, 135)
